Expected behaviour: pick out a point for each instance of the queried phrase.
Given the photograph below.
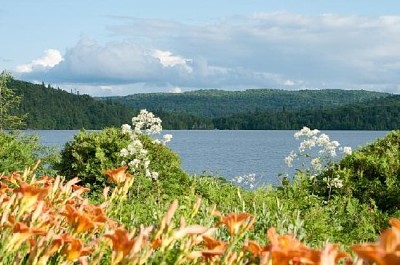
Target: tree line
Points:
(37, 106)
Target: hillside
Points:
(50, 108)
(218, 103)
(375, 114)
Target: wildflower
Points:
(121, 244)
(347, 150)
(124, 152)
(214, 247)
(21, 234)
(154, 175)
(126, 128)
(237, 222)
(385, 251)
(118, 175)
(167, 138)
(289, 159)
(75, 249)
(30, 194)
(79, 221)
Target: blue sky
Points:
(122, 47)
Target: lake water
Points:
(234, 153)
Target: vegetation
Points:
(19, 151)
(219, 103)
(257, 109)
(51, 108)
(377, 114)
(10, 118)
(179, 219)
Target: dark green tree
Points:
(9, 104)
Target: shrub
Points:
(89, 154)
(372, 174)
(18, 151)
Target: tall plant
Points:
(9, 103)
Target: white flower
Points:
(154, 175)
(124, 152)
(289, 159)
(347, 150)
(167, 138)
(126, 128)
(316, 163)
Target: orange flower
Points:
(30, 194)
(285, 248)
(214, 247)
(81, 222)
(58, 243)
(22, 233)
(118, 175)
(75, 249)
(237, 222)
(386, 250)
(255, 249)
(121, 244)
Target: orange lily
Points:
(122, 244)
(386, 250)
(285, 248)
(75, 250)
(57, 243)
(81, 222)
(118, 175)
(21, 234)
(236, 222)
(30, 194)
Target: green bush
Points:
(372, 174)
(19, 151)
(90, 153)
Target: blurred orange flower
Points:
(75, 249)
(237, 222)
(386, 250)
(121, 243)
(118, 175)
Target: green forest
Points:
(255, 109)
(56, 109)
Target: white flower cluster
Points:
(327, 151)
(246, 180)
(333, 182)
(144, 123)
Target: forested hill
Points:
(50, 108)
(218, 103)
(375, 114)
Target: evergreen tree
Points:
(9, 105)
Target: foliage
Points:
(218, 103)
(254, 109)
(18, 151)
(372, 174)
(50, 108)
(90, 153)
(9, 105)
(48, 221)
(373, 114)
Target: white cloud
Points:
(276, 50)
(176, 90)
(49, 59)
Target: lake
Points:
(234, 153)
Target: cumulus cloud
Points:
(49, 59)
(276, 50)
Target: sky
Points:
(109, 48)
